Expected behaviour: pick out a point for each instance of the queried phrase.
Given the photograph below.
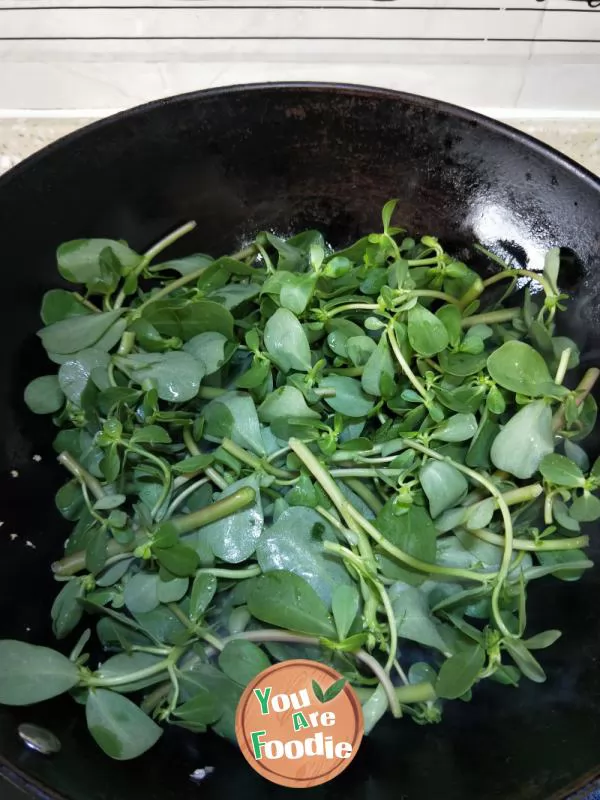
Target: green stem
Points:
(447, 298)
(313, 465)
(506, 519)
(424, 262)
(548, 508)
(82, 475)
(210, 472)
(514, 497)
(126, 344)
(74, 563)
(364, 472)
(253, 461)
(351, 372)
(85, 302)
(167, 241)
(266, 258)
(359, 566)
(350, 536)
(415, 693)
(151, 701)
(164, 468)
(585, 386)
(404, 366)
(175, 683)
(278, 454)
(272, 635)
(252, 571)
(211, 392)
(242, 498)
(416, 563)
(520, 273)
(491, 317)
(157, 248)
(384, 679)
(576, 543)
(356, 307)
(365, 494)
(356, 522)
(138, 675)
(154, 651)
(563, 366)
(185, 494)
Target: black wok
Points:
(283, 157)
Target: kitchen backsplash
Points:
(520, 56)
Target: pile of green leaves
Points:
(363, 456)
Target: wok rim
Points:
(356, 89)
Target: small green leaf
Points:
(542, 640)
(524, 441)
(185, 265)
(516, 366)
(426, 333)
(123, 664)
(59, 304)
(141, 592)
(179, 559)
(209, 349)
(234, 538)
(151, 434)
(457, 428)
(109, 501)
(30, 674)
(76, 333)
(174, 373)
(379, 366)
(458, 674)
(203, 591)
(585, 508)
(443, 484)
(524, 660)
(413, 618)
(345, 603)
(289, 544)
(234, 415)
(561, 471)
(283, 599)
(285, 403)
(349, 398)
(203, 709)
(192, 464)
(119, 727)
(452, 319)
(73, 376)
(558, 563)
(66, 610)
(172, 591)
(44, 395)
(286, 342)
(80, 260)
(242, 661)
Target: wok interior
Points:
(282, 159)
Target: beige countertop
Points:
(579, 139)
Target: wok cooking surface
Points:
(283, 158)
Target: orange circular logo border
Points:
(351, 707)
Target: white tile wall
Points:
(521, 56)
